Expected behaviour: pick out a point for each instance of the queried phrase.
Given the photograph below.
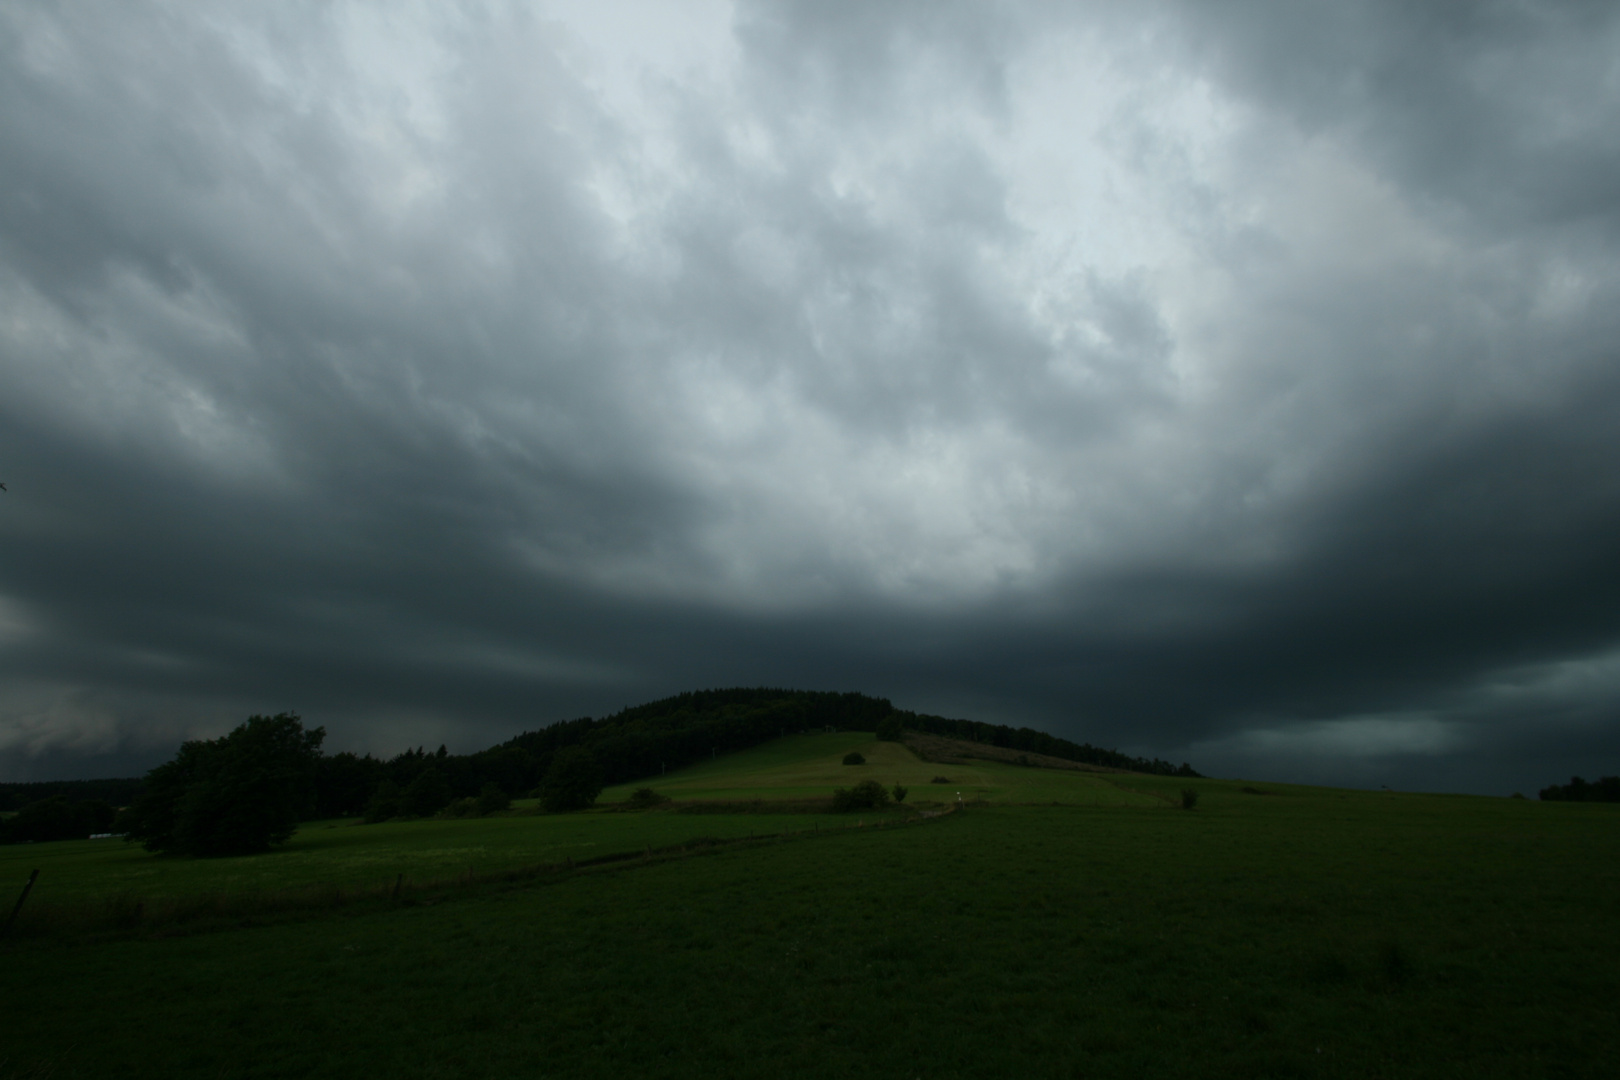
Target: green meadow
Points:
(802, 767)
(350, 855)
(779, 777)
(1278, 931)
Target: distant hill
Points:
(637, 742)
(643, 740)
(676, 731)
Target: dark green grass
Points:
(349, 855)
(1307, 933)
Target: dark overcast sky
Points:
(1236, 383)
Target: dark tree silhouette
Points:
(236, 795)
(428, 793)
(386, 802)
(573, 782)
(56, 818)
(492, 799)
(1606, 789)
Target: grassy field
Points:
(1299, 932)
(811, 766)
(351, 855)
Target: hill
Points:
(642, 743)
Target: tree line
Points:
(62, 809)
(1577, 790)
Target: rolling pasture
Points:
(349, 855)
(1275, 931)
(810, 766)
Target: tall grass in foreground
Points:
(1303, 934)
(1262, 932)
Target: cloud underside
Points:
(1238, 383)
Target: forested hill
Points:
(637, 743)
(645, 740)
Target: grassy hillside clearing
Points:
(810, 766)
(938, 748)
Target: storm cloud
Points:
(1234, 383)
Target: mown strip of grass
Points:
(1326, 934)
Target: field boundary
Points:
(127, 914)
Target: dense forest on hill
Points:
(639, 742)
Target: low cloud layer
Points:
(1231, 383)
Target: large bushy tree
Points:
(236, 795)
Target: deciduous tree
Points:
(573, 782)
(236, 795)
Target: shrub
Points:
(427, 794)
(900, 793)
(1189, 798)
(492, 799)
(854, 757)
(645, 799)
(386, 802)
(460, 808)
(889, 728)
(866, 795)
(940, 780)
(573, 782)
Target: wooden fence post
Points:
(26, 888)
